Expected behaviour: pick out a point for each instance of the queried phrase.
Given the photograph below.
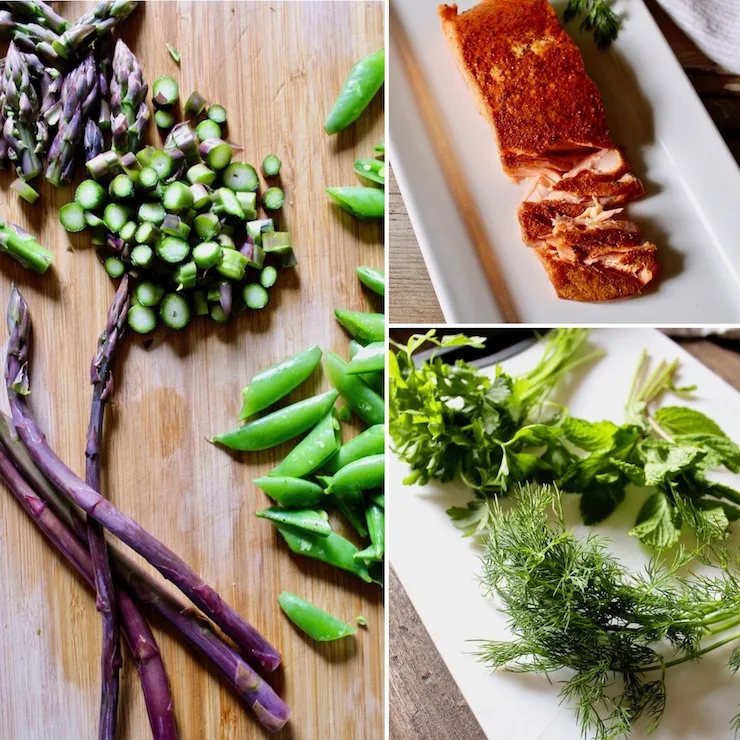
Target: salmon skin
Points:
(530, 83)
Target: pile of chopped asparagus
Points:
(184, 221)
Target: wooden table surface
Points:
(412, 298)
(276, 67)
(425, 702)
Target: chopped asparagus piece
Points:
(164, 119)
(177, 196)
(128, 230)
(142, 255)
(208, 129)
(152, 212)
(121, 187)
(268, 276)
(141, 319)
(195, 104)
(207, 225)
(255, 296)
(24, 190)
(233, 264)
(271, 165)
(217, 153)
(90, 195)
(72, 217)
(165, 92)
(273, 199)
(174, 53)
(185, 276)
(241, 177)
(114, 267)
(174, 311)
(172, 250)
(201, 173)
(207, 255)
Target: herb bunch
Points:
(596, 16)
(572, 605)
(501, 431)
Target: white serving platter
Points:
(439, 569)
(463, 208)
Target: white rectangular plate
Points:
(440, 569)
(461, 204)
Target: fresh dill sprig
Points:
(596, 16)
(572, 605)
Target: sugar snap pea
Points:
(377, 498)
(270, 385)
(371, 169)
(279, 426)
(364, 81)
(334, 549)
(369, 442)
(370, 359)
(376, 527)
(362, 399)
(374, 380)
(315, 622)
(291, 492)
(307, 520)
(363, 203)
(360, 475)
(372, 278)
(319, 445)
(367, 327)
(353, 509)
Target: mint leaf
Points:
(591, 437)
(658, 524)
(678, 420)
(664, 460)
(635, 474)
(598, 502)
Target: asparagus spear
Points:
(50, 108)
(30, 37)
(128, 90)
(92, 140)
(23, 248)
(79, 93)
(38, 12)
(138, 635)
(3, 143)
(104, 50)
(92, 503)
(102, 381)
(21, 110)
(97, 22)
(63, 517)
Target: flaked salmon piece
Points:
(528, 77)
(609, 233)
(607, 164)
(555, 164)
(605, 274)
(587, 184)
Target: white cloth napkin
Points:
(713, 25)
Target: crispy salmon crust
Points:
(528, 77)
(608, 274)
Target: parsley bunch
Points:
(498, 432)
(573, 606)
(596, 16)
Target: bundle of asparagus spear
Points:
(58, 86)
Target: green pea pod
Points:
(360, 475)
(370, 359)
(364, 81)
(317, 447)
(378, 499)
(371, 169)
(353, 508)
(374, 380)
(380, 148)
(315, 622)
(367, 327)
(307, 520)
(363, 203)
(372, 278)
(362, 399)
(376, 527)
(270, 385)
(334, 549)
(291, 492)
(279, 426)
(369, 442)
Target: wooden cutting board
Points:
(276, 67)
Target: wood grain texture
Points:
(425, 702)
(413, 299)
(276, 67)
